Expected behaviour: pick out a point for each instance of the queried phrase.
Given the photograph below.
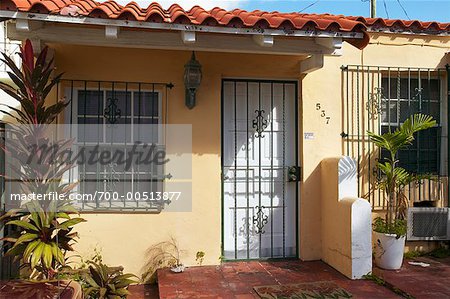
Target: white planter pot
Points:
(177, 268)
(389, 250)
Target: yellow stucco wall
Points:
(200, 230)
(124, 238)
(324, 86)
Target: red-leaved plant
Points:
(45, 230)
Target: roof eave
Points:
(82, 20)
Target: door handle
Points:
(294, 174)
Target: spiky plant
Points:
(44, 230)
(32, 85)
(102, 283)
(43, 241)
(395, 178)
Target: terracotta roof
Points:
(407, 25)
(176, 14)
(236, 18)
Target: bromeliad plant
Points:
(102, 282)
(44, 232)
(394, 178)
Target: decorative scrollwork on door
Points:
(260, 220)
(259, 123)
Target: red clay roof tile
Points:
(175, 13)
(220, 17)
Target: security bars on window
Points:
(112, 106)
(379, 99)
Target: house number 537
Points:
(323, 113)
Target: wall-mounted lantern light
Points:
(192, 80)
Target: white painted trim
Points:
(112, 32)
(170, 41)
(27, 25)
(178, 27)
(22, 25)
(312, 63)
(188, 37)
(264, 40)
(331, 43)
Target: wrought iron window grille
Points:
(113, 103)
(379, 99)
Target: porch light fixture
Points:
(192, 80)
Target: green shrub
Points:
(102, 282)
(398, 227)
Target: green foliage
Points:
(413, 254)
(394, 178)
(397, 227)
(43, 240)
(44, 228)
(96, 257)
(221, 258)
(375, 278)
(199, 257)
(101, 283)
(440, 252)
(32, 84)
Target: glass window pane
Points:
(389, 87)
(430, 89)
(435, 111)
(120, 132)
(428, 139)
(90, 129)
(91, 183)
(123, 101)
(391, 115)
(90, 102)
(146, 104)
(422, 159)
(146, 130)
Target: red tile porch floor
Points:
(237, 279)
(430, 282)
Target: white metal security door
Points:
(259, 169)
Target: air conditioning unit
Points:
(428, 224)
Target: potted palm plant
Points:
(390, 232)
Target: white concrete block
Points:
(361, 238)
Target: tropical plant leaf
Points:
(23, 224)
(26, 238)
(30, 248)
(103, 282)
(37, 253)
(396, 178)
(73, 221)
(47, 255)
